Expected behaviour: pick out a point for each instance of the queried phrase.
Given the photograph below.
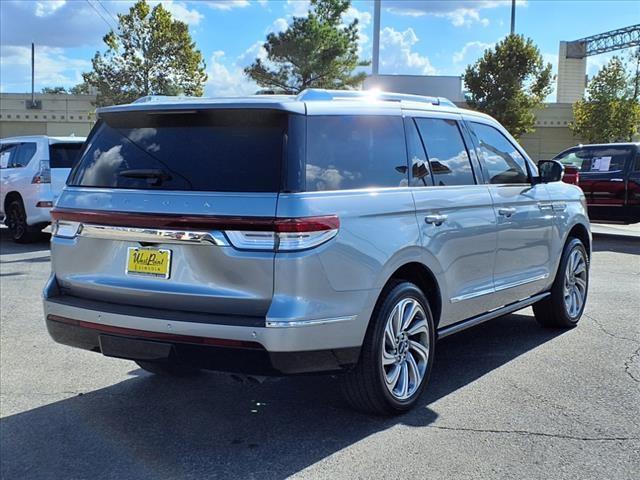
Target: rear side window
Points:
(355, 151)
(208, 150)
(448, 157)
(63, 155)
(501, 158)
(420, 176)
(597, 159)
(7, 154)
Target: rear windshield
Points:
(210, 150)
(597, 159)
(64, 155)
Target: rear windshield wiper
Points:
(155, 176)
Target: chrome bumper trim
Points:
(153, 235)
(307, 323)
(499, 288)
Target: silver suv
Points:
(327, 232)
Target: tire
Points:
(16, 220)
(366, 385)
(564, 307)
(168, 369)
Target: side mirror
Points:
(549, 171)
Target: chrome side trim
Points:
(307, 323)
(457, 327)
(506, 286)
(522, 282)
(152, 235)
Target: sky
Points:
(420, 37)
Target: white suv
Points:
(33, 171)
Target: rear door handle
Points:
(435, 219)
(545, 206)
(506, 211)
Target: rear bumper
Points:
(222, 356)
(234, 344)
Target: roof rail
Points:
(161, 98)
(315, 94)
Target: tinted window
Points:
(346, 152)
(23, 155)
(597, 159)
(211, 150)
(502, 160)
(447, 153)
(64, 155)
(7, 155)
(420, 175)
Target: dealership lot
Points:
(507, 400)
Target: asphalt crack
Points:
(611, 334)
(535, 434)
(629, 363)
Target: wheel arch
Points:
(10, 197)
(423, 277)
(580, 232)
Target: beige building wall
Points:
(59, 115)
(572, 76)
(552, 133)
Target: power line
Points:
(108, 11)
(99, 14)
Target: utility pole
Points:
(376, 38)
(33, 73)
(513, 17)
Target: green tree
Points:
(149, 54)
(509, 83)
(611, 110)
(54, 90)
(316, 51)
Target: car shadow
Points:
(618, 245)
(211, 426)
(8, 246)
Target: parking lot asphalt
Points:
(507, 399)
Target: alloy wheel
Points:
(405, 348)
(575, 283)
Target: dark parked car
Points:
(609, 175)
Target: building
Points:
(552, 133)
(60, 115)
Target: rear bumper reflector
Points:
(161, 336)
(44, 204)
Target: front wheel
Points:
(397, 353)
(564, 307)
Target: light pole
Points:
(375, 62)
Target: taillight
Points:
(287, 234)
(44, 173)
(65, 228)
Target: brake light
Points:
(44, 173)
(288, 234)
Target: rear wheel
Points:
(169, 369)
(397, 354)
(564, 307)
(17, 223)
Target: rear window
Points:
(355, 151)
(597, 159)
(64, 155)
(209, 150)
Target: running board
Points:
(472, 322)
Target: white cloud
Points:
(458, 12)
(297, 8)
(396, 55)
(181, 12)
(227, 81)
(278, 25)
(250, 54)
(53, 68)
(227, 4)
(48, 7)
(475, 47)
(364, 18)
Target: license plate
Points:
(153, 262)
